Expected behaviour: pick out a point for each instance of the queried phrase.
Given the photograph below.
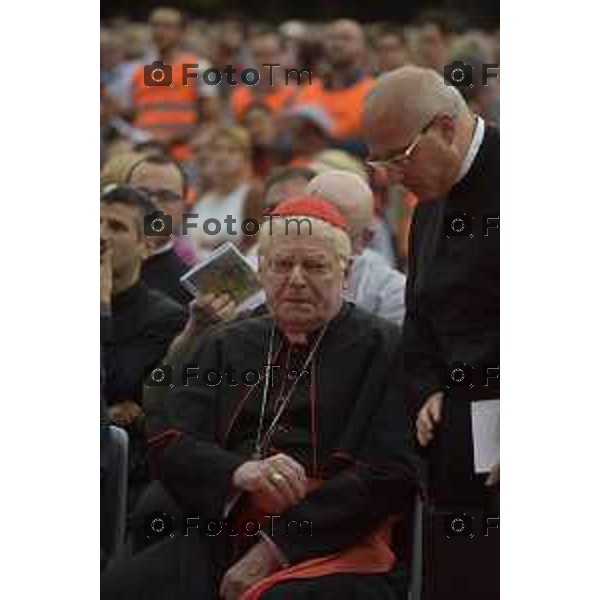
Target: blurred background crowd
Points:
(230, 139)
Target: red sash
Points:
(371, 555)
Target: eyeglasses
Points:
(162, 195)
(310, 267)
(402, 158)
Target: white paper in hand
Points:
(485, 423)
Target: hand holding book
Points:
(224, 272)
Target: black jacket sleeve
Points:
(422, 361)
(126, 367)
(182, 436)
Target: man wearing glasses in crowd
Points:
(165, 182)
(422, 133)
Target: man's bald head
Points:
(414, 105)
(407, 98)
(345, 43)
(351, 195)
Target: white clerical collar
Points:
(163, 249)
(473, 148)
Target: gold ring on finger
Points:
(276, 477)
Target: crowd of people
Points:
(364, 314)
(230, 138)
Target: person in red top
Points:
(170, 114)
(266, 48)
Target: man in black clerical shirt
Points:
(318, 437)
(137, 324)
(169, 256)
(423, 134)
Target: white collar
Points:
(163, 249)
(473, 148)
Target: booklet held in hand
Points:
(224, 271)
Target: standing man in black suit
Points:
(423, 134)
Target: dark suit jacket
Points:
(453, 311)
(163, 271)
(135, 337)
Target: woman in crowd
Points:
(233, 195)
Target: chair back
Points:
(113, 492)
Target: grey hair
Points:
(337, 238)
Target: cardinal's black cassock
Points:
(345, 423)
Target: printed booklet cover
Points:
(225, 270)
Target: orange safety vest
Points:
(345, 106)
(166, 109)
(243, 95)
(309, 93)
(404, 222)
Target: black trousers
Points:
(152, 501)
(190, 568)
(180, 567)
(461, 554)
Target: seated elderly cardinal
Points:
(289, 450)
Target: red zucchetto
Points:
(310, 206)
